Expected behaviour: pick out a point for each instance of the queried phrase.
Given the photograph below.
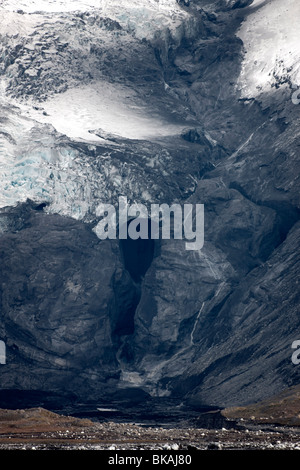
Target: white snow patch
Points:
(107, 409)
(110, 107)
(272, 45)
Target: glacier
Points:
(88, 109)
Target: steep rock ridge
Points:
(150, 104)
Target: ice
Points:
(143, 16)
(31, 6)
(37, 160)
(33, 166)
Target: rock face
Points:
(164, 117)
(63, 294)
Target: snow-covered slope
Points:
(271, 40)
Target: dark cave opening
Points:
(137, 255)
(127, 305)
